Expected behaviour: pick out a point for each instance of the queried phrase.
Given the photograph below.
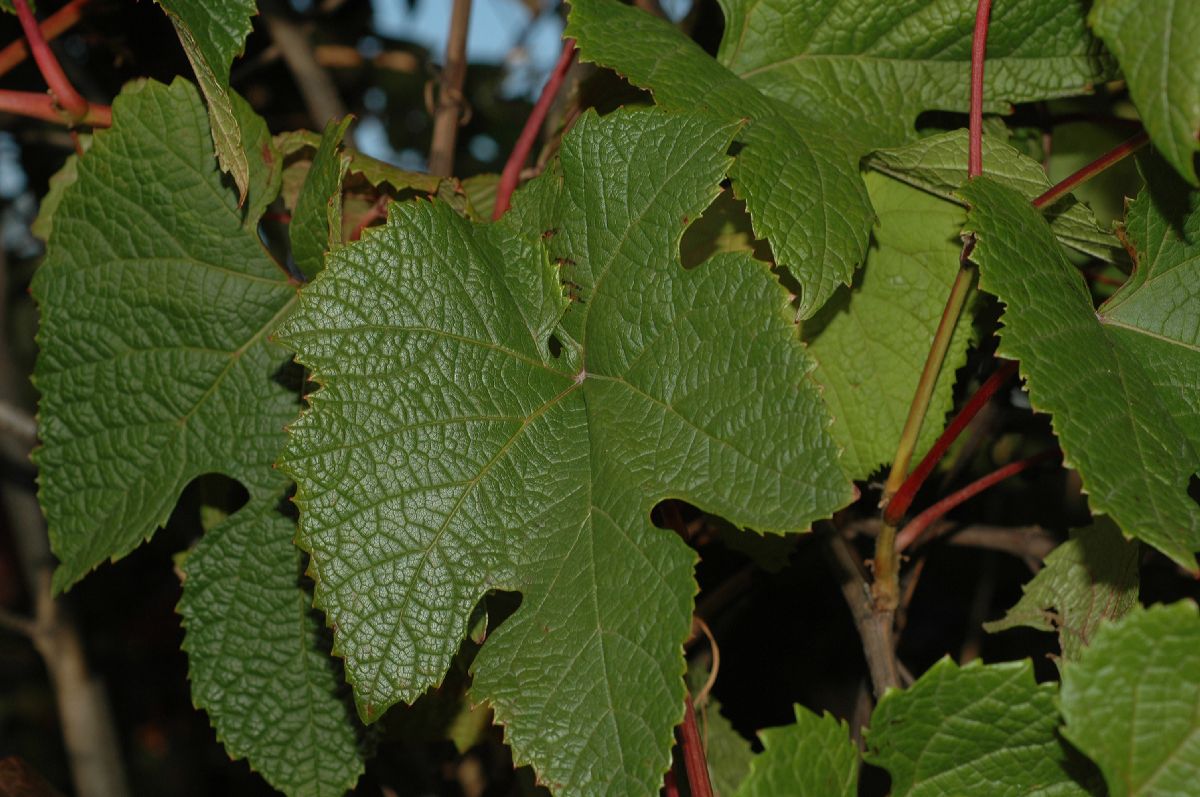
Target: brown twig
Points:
(448, 116)
(15, 622)
(52, 27)
(529, 133)
(874, 625)
(70, 100)
(320, 95)
(1031, 543)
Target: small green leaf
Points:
(213, 34)
(258, 656)
(937, 164)
(870, 340)
(870, 68)
(974, 731)
(1155, 42)
(799, 179)
(265, 161)
(450, 453)
(1132, 702)
(1090, 580)
(375, 172)
(812, 758)
(1121, 383)
(316, 226)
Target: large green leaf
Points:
(973, 731)
(872, 67)
(154, 369)
(814, 757)
(1122, 384)
(1132, 702)
(450, 452)
(938, 164)
(799, 179)
(870, 340)
(1155, 41)
(213, 34)
(258, 659)
(1089, 580)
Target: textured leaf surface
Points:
(316, 225)
(259, 659)
(871, 67)
(1122, 384)
(213, 34)
(1132, 702)
(1155, 42)
(163, 374)
(449, 453)
(937, 164)
(870, 340)
(973, 731)
(799, 179)
(1089, 580)
(812, 758)
(180, 297)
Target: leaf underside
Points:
(449, 452)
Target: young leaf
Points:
(937, 164)
(1132, 702)
(1089, 580)
(799, 179)
(258, 656)
(449, 452)
(1155, 42)
(213, 34)
(870, 340)
(316, 225)
(812, 758)
(265, 160)
(974, 731)
(1121, 383)
(871, 67)
(153, 290)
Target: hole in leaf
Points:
(555, 346)
(211, 498)
(723, 227)
(1194, 488)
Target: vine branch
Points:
(70, 100)
(1113, 156)
(693, 752)
(516, 161)
(51, 28)
(42, 106)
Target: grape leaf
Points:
(449, 452)
(1122, 384)
(1132, 702)
(799, 180)
(812, 758)
(257, 659)
(979, 730)
(1155, 42)
(59, 182)
(871, 67)
(1089, 580)
(316, 225)
(937, 164)
(213, 34)
(265, 161)
(163, 374)
(870, 340)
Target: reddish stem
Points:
(68, 98)
(693, 752)
(670, 787)
(978, 49)
(908, 490)
(54, 26)
(917, 526)
(42, 106)
(516, 161)
(1115, 155)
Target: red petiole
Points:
(70, 100)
